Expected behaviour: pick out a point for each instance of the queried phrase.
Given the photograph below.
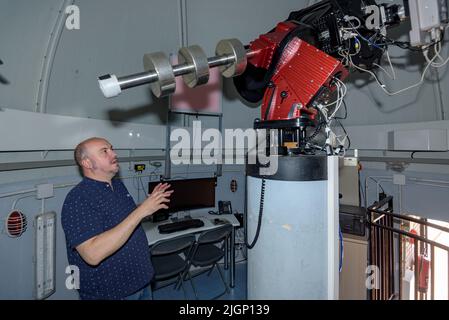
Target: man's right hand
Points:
(157, 199)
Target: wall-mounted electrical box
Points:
(45, 255)
(418, 140)
(428, 18)
(44, 191)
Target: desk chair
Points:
(208, 250)
(167, 261)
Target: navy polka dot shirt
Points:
(91, 208)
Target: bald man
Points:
(101, 223)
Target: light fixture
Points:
(15, 224)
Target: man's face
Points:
(101, 158)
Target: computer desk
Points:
(153, 236)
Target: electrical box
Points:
(429, 15)
(426, 16)
(44, 191)
(418, 140)
(399, 179)
(353, 220)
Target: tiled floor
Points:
(208, 287)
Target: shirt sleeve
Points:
(80, 220)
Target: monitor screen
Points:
(189, 194)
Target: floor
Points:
(207, 287)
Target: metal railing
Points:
(386, 245)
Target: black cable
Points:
(346, 133)
(383, 191)
(407, 45)
(259, 223)
(316, 132)
(320, 125)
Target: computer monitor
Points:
(188, 194)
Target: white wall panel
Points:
(37, 131)
(113, 37)
(25, 28)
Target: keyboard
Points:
(180, 225)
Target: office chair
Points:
(207, 251)
(168, 262)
